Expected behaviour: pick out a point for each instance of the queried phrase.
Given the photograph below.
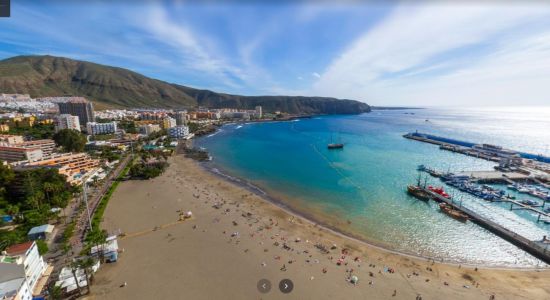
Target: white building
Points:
(95, 128)
(168, 122)
(258, 114)
(236, 115)
(13, 284)
(66, 121)
(26, 256)
(181, 118)
(149, 128)
(178, 132)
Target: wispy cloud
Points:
(192, 54)
(316, 75)
(460, 41)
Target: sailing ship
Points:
(418, 192)
(453, 213)
(332, 145)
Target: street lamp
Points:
(85, 195)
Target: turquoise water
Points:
(361, 189)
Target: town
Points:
(61, 161)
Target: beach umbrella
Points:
(354, 279)
(188, 214)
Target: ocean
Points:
(360, 190)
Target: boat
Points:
(418, 192)
(440, 191)
(529, 202)
(332, 145)
(453, 213)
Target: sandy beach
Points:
(235, 238)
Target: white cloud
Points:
(382, 65)
(316, 75)
(193, 54)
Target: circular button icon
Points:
(264, 286)
(286, 286)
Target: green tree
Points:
(97, 237)
(42, 247)
(70, 140)
(55, 292)
(75, 265)
(86, 265)
(6, 178)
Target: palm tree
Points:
(74, 268)
(55, 292)
(49, 188)
(87, 264)
(97, 237)
(95, 179)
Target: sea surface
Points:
(361, 189)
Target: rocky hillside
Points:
(108, 86)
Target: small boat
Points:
(440, 191)
(418, 192)
(529, 202)
(453, 213)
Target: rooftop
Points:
(42, 228)
(10, 272)
(19, 248)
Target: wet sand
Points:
(235, 238)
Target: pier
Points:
(467, 148)
(539, 249)
(495, 176)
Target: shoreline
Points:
(237, 237)
(246, 184)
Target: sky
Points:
(382, 53)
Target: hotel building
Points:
(168, 122)
(178, 132)
(73, 165)
(94, 128)
(67, 121)
(80, 107)
(147, 129)
(11, 139)
(15, 153)
(23, 267)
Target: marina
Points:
(523, 173)
(539, 249)
(470, 185)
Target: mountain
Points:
(106, 86)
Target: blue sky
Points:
(428, 53)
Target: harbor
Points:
(539, 249)
(523, 173)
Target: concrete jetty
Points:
(539, 249)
